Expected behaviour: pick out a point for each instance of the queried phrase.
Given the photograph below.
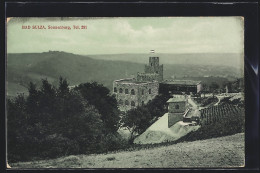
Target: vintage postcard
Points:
(125, 92)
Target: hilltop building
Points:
(133, 92)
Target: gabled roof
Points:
(176, 99)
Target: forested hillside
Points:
(25, 67)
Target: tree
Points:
(213, 88)
(16, 124)
(32, 102)
(52, 122)
(63, 89)
(137, 121)
(106, 104)
(158, 106)
(204, 89)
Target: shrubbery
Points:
(206, 101)
(53, 122)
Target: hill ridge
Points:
(25, 67)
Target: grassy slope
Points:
(225, 151)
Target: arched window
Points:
(115, 89)
(126, 102)
(132, 91)
(177, 107)
(120, 90)
(150, 91)
(126, 91)
(120, 102)
(132, 103)
(142, 91)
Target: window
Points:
(126, 91)
(142, 103)
(115, 89)
(120, 102)
(142, 91)
(120, 90)
(126, 102)
(150, 91)
(132, 91)
(132, 103)
(176, 106)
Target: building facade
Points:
(131, 93)
(186, 86)
(177, 109)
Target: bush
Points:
(206, 101)
(53, 122)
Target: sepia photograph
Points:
(125, 92)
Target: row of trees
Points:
(56, 121)
(232, 86)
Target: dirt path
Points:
(192, 103)
(218, 152)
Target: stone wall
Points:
(155, 69)
(142, 93)
(174, 118)
(147, 92)
(142, 77)
(172, 108)
(199, 88)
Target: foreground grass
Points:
(225, 151)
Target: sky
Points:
(128, 35)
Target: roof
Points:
(147, 74)
(182, 82)
(132, 81)
(189, 114)
(176, 99)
